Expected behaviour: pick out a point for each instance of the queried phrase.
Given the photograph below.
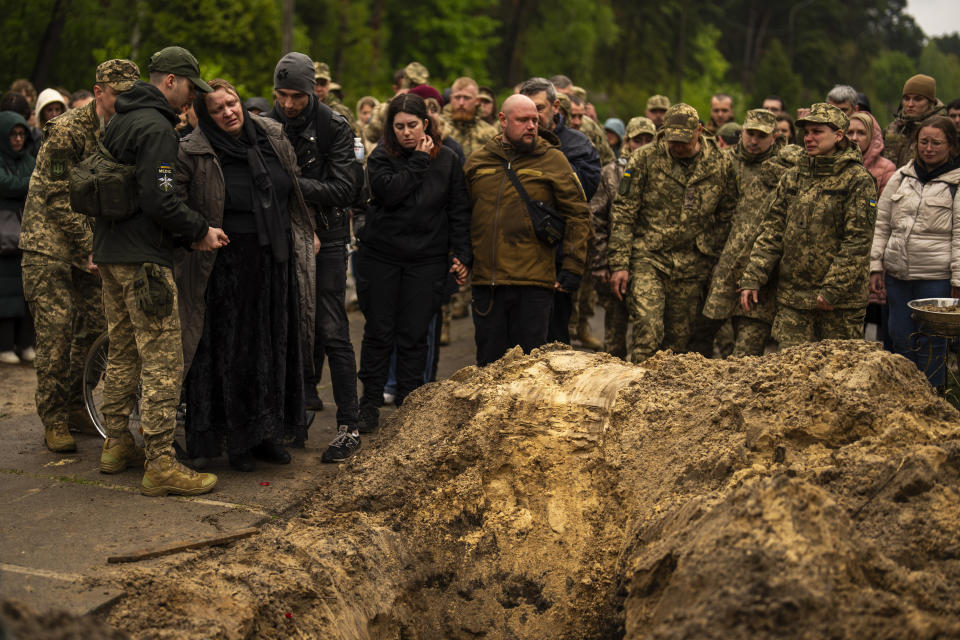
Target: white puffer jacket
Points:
(917, 236)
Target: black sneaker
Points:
(369, 416)
(342, 447)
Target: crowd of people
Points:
(220, 273)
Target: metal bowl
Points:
(946, 322)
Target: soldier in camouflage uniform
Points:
(640, 132)
(60, 284)
(410, 76)
(584, 124)
(468, 129)
(818, 230)
(668, 224)
(324, 82)
(758, 168)
(657, 106)
(135, 257)
(918, 103)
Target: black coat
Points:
(142, 134)
(420, 211)
(581, 155)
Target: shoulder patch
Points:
(58, 167)
(873, 203)
(624, 186)
(165, 176)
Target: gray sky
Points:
(936, 17)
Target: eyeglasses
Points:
(19, 134)
(933, 144)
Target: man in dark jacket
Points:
(514, 273)
(135, 259)
(584, 160)
(331, 174)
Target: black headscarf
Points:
(252, 145)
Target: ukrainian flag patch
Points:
(873, 202)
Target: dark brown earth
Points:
(811, 493)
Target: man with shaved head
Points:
(514, 271)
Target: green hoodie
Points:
(142, 134)
(819, 229)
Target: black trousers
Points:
(559, 330)
(507, 316)
(397, 301)
(332, 337)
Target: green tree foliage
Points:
(622, 51)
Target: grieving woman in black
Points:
(247, 309)
(417, 230)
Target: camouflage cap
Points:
(639, 125)
(118, 74)
(680, 123)
(565, 105)
(658, 102)
(415, 73)
(825, 113)
(579, 92)
(760, 120)
(321, 71)
(730, 132)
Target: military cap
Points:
(760, 120)
(565, 105)
(730, 132)
(335, 86)
(117, 74)
(921, 85)
(658, 102)
(178, 61)
(615, 125)
(639, 125)
(415, 73)
(485, 94)
(680, 123)
(825, 113)
(321, 71)
(579, 92)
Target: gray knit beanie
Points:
(294, 71)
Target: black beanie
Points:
(294, 71)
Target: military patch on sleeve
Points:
(624, 183)
(165, 177)
(873, 203)
(58, 168)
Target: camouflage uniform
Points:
(900, 136)
(321, 70)
(64, 296)
(819, 230)
(757, 178)
(615, 311)
(668, 223)
(471, 134)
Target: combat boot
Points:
(165, 475)
(79, 419)
(120, 453)
(586, 337)
(58, 439)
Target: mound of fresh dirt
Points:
(811, 493)
(19, 622)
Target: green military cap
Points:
(321, 71)
(639, 125)
(658, 102)
(117, 74)
(825, 113)
(680, 123)
(180, 62)
(729, 130)
(760, 120)
(415, 73)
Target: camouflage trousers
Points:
(614, 321)
(750, 336)
(67, 309)
(144, 350)
(663, 310)
(798, 326)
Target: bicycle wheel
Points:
(93, 375)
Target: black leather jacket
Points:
(331, 176)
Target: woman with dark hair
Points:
(786, 130)
(916, 242)
(417, 230)
(246, 310)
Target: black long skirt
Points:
(245, 385)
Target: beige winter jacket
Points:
(917, 235)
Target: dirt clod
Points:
(808, 494)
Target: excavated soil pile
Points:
(812, 493)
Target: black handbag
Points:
(548, 225)
(9, 232)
